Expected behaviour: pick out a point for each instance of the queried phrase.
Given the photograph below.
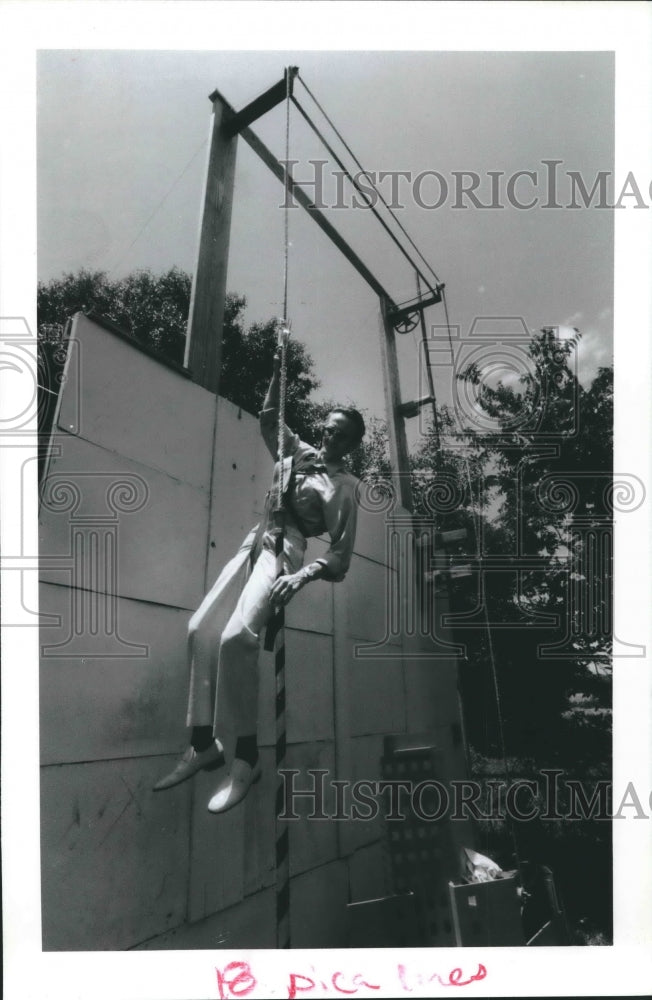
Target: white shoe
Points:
(234, 786)
(191, 762)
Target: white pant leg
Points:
(236, 704)
(205, 631)
(225, 630)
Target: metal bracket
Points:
(261, 105)
(412, 409)
(405, 317)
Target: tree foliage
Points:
(154, 309)
(534, 493)
(532, 490)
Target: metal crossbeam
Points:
(297, 192)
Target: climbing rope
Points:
(276, 638)
(275, 633)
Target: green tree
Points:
(247, 364)
(547, 453)
(154, 309)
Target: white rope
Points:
(284, 332)
(284, 335)
(283, 935)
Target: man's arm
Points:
(341, 519)
(268, 416)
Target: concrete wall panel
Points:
(249, 924)
(309, 689)
(369, 873)
(368, 603)
(377, 692)
(313, 842)
(317, 907)
(98, 708)
(309, 678)
(216, 850)
(260, 828)
(241, 475)
(266, 700)
(114, 855)
(370, 540)
(142, 394)
(233, 854)
(161, 536)
(431, 690)
(366, 755)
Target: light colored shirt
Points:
(321, 497)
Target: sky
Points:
(121, 150)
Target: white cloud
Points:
(593, 352)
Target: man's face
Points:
(338, 437)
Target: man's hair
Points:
(355, 418)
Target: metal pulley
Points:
(407, 323)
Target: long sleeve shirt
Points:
(321, 496)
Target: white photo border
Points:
(624, 968)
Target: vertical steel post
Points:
(398, 449)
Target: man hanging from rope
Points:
(224, 633)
